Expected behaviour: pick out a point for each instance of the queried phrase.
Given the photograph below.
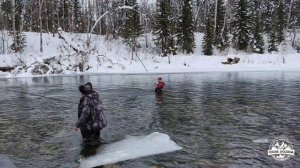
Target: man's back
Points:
(91, 118)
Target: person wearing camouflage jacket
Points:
(91, 119)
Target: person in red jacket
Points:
(159, 86)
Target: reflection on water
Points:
(215, 117)
(89, 148)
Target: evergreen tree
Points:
(185, 36)
(132, 28)
(294, 23)
(221, 29)
(267, 12)
(54, 17)
(6, 8)
(162, 27)
(104, 8)
(64, 14)
(277, 35)
(18, 16)
(77, 16)
(281, 22)
(175, 8)
(240, 25)
(273, 44)
(124, 20)
(19, 41)
(257, 41)
(295, 16)
(208, 39)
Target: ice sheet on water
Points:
(131, 148)
(5, 162)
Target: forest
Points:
(253, 26)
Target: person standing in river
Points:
(91, 119)
(159, 86)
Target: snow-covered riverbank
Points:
(186, 64)
(114, 57)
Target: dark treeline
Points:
(241, 24)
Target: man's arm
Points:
(85, 113)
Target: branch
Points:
(118, 8)
(124, 7)
(89, 38)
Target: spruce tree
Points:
(273, 44)
(294, 22)
(276, 36)
(162, 27)
(185, 36)
(19, 42)
(240, 25)
(132, 28)
(208, 38)
(124, 20)
(64, 14)
(272, 38)
(77, 16)
(221, 29)
(257, 41)
(6, 9)
(267, 12)
(281, 22)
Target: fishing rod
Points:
(141, 62)
(37, 95)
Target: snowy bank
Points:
(113, 56)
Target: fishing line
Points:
(142, 62)
(37, 95)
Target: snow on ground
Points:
(113, 56)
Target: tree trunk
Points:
(57, 17)
(47, 15)
(41, 25)
(3, 42)
(89, 16)
(14, 24)
(31, 12)
(22, 20)
(290, 12)
(53, 18)
(216, 11)
(72, 14)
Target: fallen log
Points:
(6, 69)
(230, 61)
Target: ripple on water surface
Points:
(220, 119)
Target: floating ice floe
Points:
(131, 148)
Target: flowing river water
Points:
(221, 119)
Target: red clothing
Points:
(160, 85)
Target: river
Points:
(221, 119)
